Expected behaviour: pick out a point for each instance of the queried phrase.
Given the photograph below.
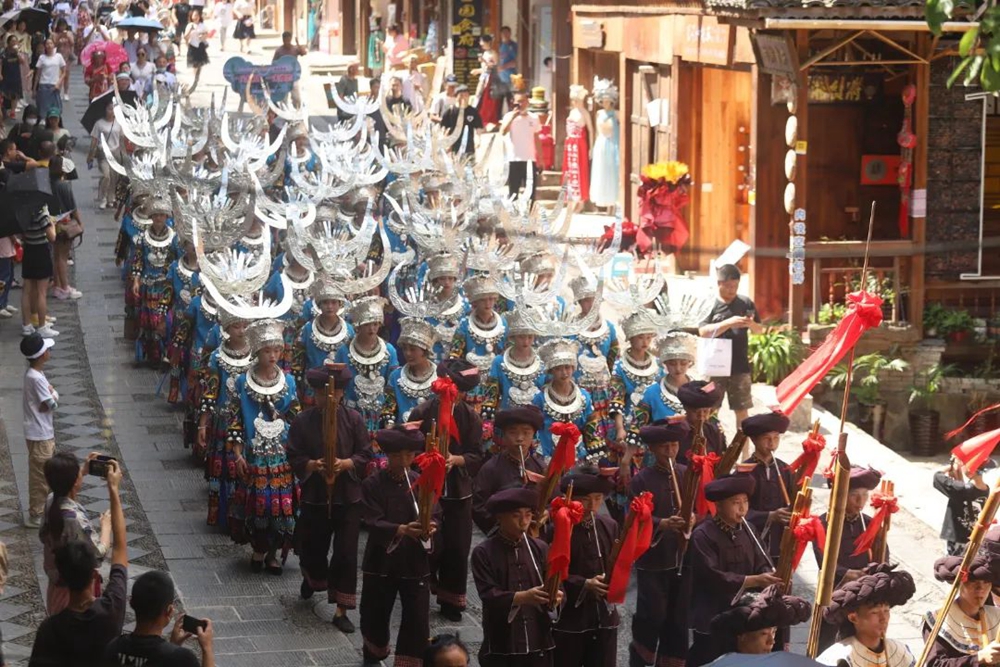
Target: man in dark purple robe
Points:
(516, 463)
(321, 517)
(396, 561)
(509, 571)
(700, 400)
(586, 634)
(659, 625)
(725, 560)
(774, 490)
(450, 566)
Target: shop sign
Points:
(704, 40)
(837, 88)
(465, 33)
(775, 54)
(279, 76)
(590, 35)
(797, 247)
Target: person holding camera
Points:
(79, 634)
(65, 521)
(153, 603)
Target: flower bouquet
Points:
(662, 195)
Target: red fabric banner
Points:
(563, 515)
(807, 529)
(564, 456)
(636, 542)
(807, 461)
(446, 392)
(884, 506)
(432, 472)
(705, 464)
(977, 449)
(865, 312)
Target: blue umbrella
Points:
(140, 23)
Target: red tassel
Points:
(706, 463)
(951, 434)
(812, 447)
(977, 449)
(807, 529)
(433, 469)
(563, 516)
(564, 455)
(884, 506)
(865, 313)
(636, 542)
(446, 392)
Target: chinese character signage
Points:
(465, 33)
(797, 247)
(854, 88)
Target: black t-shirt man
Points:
(473, 121)
(147, 651)
(740, 306)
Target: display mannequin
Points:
(576, 148)
(604, 177)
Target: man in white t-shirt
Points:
(39, 401)
(521, 129)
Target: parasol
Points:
(7, 17)
(114, 54)
(37, 20)
(99, 105)
(139, 23)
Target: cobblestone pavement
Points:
(110, 405)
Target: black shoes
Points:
(451, 612)
(305, 590)
(343, 624)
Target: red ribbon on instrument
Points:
(974, 451)
(564, 456)
(563, 515)
(884, 506)
(865, 312)
(706, 464)
(636, 542)
(433, 469)
(807, 529)
(447, 393)
(807, 461)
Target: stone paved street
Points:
(110, 405)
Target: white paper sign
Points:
(733, 254)
(658, 112)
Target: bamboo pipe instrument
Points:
(552, 581)
(676, 486)
(880, 546)
(803, 502)
(616, 549)
(732, 455)
(425, 501)
(330, 420)
(975, 541)
(692, 482)
(800, 480)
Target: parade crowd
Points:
(365, 334)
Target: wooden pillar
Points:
(624, 109)
(523, 38)
(919, 225)
(755, 87)
(562, 29)
(797, 293)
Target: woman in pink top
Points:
(395, 48)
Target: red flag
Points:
(432, 472)
(636, 542)
(812, 447)
(563, 516)
(884, 506)
(807, 529)
(865, 312)
(977, 449)
(446, 392)
(564, 455)
(706, 464)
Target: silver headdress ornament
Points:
(415, 331)
(222, 218)
(227, 319)
(417, 300)
(559, 352)
(604, 89)
(478, 287)
(676, 345)
(444, 265)
(582, 288)
(325, 288)
(265, 333)
(539, 263)
(519, 323)
(639, 322)
(368, 310)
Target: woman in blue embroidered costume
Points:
(598, 353)
(860, 611)
(561, 400)
(542, 266)
(637, 368)
(184, 286)
(218, 379)
(479, 337)
(156, 249)
(321, 337)
(676, 352)
(443, 271)
(194, 339)
(410, 384)
(261, 405)
(371, 360)
(300, 279)
(516, 376)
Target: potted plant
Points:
(956, 325)
(989, 421)
(925, 421)
(933, 315)
(774, 354)
(866, 387)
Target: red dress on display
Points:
(576, 161)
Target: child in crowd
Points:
(40, 400)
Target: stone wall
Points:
(953, 173)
